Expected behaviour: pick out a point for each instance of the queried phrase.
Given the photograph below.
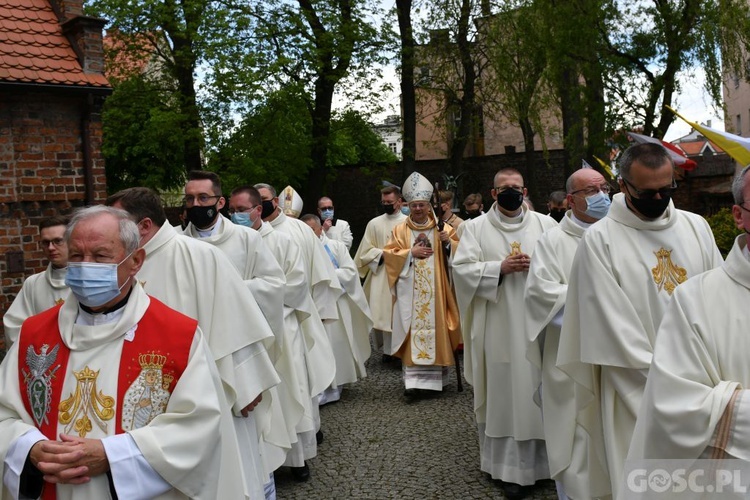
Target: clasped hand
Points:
(72, 460)
(515, 264)
(421, 251)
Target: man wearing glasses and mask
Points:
(42, 290)
(489, 272)
(624, 273)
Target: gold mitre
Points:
(151, 361)
(417, 188)
(291, 202)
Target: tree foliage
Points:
(143, 137)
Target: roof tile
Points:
(33, 48)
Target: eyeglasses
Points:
(189, 199)
(58, 242)
(592, 190)
(243, 211)
(650, 194)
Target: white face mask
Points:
(93, 283)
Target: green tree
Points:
(143, 144)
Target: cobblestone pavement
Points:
(377, 446)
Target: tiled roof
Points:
(693, 148)
(33, 48)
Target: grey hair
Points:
(738, 183)
(649, 155)
(262, 185)
(129, 234)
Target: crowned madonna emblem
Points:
(667, 275)
(515, 248)
(147, 397)
(86, 405)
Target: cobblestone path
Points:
(379, 446)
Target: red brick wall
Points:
(41, 173)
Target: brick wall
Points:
(42, 173)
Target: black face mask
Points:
(202, 217)
(510, 199)
(268, 209)
(473, 214)
(651, 209)
(387, 209)
(557, 213)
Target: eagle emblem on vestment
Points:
(667, 275)
(38, 379)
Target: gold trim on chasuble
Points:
(423, 312)
(85, 404)
(667, 275)
(148, 395)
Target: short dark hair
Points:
(473, 199)
(253, 193)
(140, 202)
(391, 190)
(200, 175)
(507, 171)
(648, 154)
(557, 197)
(57, 220)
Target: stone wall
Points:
(43, 172)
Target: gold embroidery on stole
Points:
(85, 404)
(667, 275)
(423, 327)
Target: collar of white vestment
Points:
(620, 212)
(505, 223)
(573, 225)
(85, 336)
(737, 264)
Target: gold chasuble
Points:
(429, 327)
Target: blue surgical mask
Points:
(326, 214)
(405, 210)
(94, 284)
(597, 205)
(242, 219)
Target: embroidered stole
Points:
(423, 305)
(150, 367)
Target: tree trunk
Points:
(573, 137)
(321, 128)
(466, 102)
(408, 95)
(530, 157)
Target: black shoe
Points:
(301, 473)
(319, 437)
(411, 393)
(513, 491)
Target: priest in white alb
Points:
(489, 273)
(281, 213)
(426, 327)
(42, 290)
(350, 334)
(112, 393)
(198, 280)
(579, 470)
(695, 403)
(369, 261)
(624, 274)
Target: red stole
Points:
(162, 341)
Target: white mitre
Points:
(291, 202)
(417, 188)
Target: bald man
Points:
(574, 467)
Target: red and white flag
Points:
(678, 156)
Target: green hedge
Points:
(725, 230)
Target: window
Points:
(392, 147)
